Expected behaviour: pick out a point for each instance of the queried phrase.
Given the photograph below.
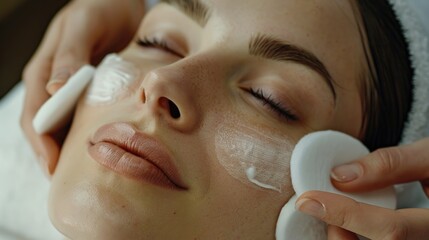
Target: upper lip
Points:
(129, 138)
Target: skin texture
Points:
(209, 81)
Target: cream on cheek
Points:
(112, 81)
(255, 157)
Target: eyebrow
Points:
(195, 9)
(271, 48)
(261, 45)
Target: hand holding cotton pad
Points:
(312, 160)
(58, 109)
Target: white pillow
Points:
(23, 187)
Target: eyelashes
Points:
(272, 104)
(266, 100)
(146, 42)
(157, 43)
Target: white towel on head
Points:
(421, 7)
(413, 18)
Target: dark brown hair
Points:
(387, 87)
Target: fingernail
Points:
(311, 207)
(346, 173)
(59, 77)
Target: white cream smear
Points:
(112, 81)
(254, 156)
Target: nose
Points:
(171, 98)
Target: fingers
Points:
(336, 233)
(82, 31)
(35, 77)
(65, 47)
(74, 49)
(45, 147)
(385, 167)
(366, 220)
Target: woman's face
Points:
(195, 142)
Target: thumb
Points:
(384, 167)
(366, 220)
(337, 233)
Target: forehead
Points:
(328, 28)
(311, 16)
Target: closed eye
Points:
(273, 105)
(157, 43)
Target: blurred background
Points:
(22, 25)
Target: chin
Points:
(87, 210)
(88, 201)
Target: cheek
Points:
(348, 116)
(113, 81)
(255, 157)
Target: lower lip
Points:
(129, 165)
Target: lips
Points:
(127, 151)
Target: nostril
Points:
(170, 107)
(174, 110)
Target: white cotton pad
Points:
(317, 153)
(58, 109)
(294, 225)
(312, 161)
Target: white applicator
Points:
(312, 160)
(59, 108)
